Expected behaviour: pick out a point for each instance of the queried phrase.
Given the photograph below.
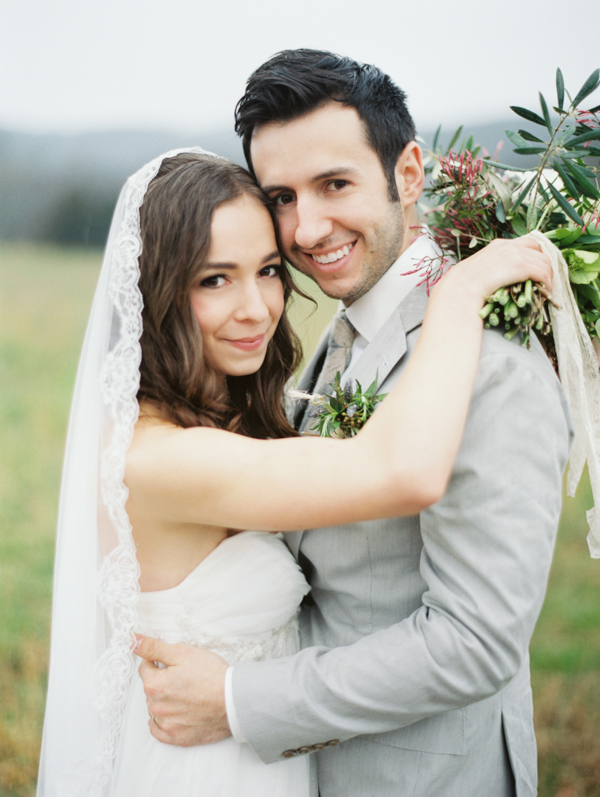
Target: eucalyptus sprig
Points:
(475, 199)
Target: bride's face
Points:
(238, 300)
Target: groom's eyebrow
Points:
(336, 171)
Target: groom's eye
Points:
(337, 185)
(284, 199)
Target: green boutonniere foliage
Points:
(345, 412)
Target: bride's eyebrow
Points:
(220, 266)
(274, 255)
(229, 266)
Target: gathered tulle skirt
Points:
(242, 603)
(148, 768)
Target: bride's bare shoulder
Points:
(159, 446)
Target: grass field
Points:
(45, 295)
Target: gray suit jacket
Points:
(416, 630)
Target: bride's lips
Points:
(248, 344)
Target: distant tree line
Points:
(63, 188)
(80, 217)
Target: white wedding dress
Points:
(241, 601)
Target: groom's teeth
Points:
(333, 256)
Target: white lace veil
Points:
(96, 571)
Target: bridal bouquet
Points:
(474, 199)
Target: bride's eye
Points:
(216, 281)
(271, 271)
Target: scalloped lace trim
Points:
(118, 586)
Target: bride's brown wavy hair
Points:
(175, 221)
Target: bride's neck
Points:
(150, 413)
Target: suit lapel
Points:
(385, 350)
(309, 377)
(389, 345)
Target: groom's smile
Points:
(327, 258)
(336, 221)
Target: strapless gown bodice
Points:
(241, 602)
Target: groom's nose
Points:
(313, 223)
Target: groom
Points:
(414, 677)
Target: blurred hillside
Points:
(62, 188)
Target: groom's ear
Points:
(410, 174)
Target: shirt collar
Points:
(369, 313)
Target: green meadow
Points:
(45, 296)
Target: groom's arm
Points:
(487, 553)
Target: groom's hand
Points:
(186, 697)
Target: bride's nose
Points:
(251, 304)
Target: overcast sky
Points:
(76, 65)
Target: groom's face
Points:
(335, 219)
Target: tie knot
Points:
(342, 331)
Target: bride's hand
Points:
(186, 696)
(502, 262)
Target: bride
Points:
(178, 440)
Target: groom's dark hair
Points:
(295, 82)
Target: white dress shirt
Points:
(367, 314)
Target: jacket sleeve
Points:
(487, 550)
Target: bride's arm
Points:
(400, 462)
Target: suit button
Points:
(319, 746)
(304, 750)
(332, 743)
(288, 754)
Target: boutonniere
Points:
(345, 411)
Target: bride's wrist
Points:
(462, 290)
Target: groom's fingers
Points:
(155, 650)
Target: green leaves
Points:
(565, 205)
(476, 201)
(560, 89)
(564, 176)
(529, 115)
(581, 177)
(454, 138)
(591, 135)
(591, 84)
(525, 134)
(568, 151)
(345, 412)
(546, 113)
(529, 150)
(524, 193)
(584, 267)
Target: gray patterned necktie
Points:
(337, 359)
